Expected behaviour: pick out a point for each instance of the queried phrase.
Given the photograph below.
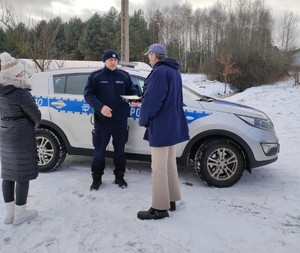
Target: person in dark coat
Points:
(19, 160)
(163, 116)
(103, 93)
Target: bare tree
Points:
(229, 67)
(288, 31)
(35, 43)
(155, 21)
(177, 31)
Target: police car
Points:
(225, 138)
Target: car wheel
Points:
(219, 163)
(50, 152)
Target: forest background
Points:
(238, 43)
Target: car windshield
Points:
(193, 95)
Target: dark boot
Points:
(152, 214)
(172, 206)
(96, 181)
(120, 181)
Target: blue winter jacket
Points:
(105, 87)
(162, 102)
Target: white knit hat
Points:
(9, 65)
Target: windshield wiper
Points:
(206, 99)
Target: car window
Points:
(75, 83)
(70, 83)
(59, 84)
(138, 82)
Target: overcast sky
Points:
(85, 8)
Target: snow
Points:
(261, 213)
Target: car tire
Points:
(219, 163)
(51, 153)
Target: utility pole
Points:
(125, 30)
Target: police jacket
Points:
(105, 87)
(162, 102)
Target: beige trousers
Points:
(165, 183)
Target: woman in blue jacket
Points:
(162, 115)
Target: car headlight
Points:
(265, 123)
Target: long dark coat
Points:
(19, 118)
(162, 102)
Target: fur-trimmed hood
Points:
(9, 83)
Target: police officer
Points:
(103, 93)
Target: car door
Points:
(136, 144)
(68, 110)
(74, 116)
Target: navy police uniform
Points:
(105, 87)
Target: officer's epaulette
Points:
(97, 72)
(124, 72)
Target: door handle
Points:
(59, 104)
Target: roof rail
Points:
(136, 65)
(128, 64)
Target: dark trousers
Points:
(8, 190)
(104, 130)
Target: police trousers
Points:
(104, 130)
(165, 182)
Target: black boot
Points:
(172, 206)
(96, 181)
(120, 181)
(152, 214)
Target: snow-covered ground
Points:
(261, 213)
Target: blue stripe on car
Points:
(80, 106)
